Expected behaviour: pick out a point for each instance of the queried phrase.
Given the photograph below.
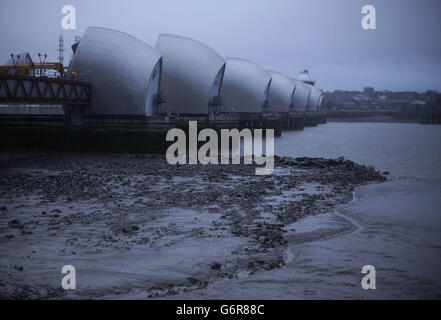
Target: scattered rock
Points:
(126, 195)
(192, 280)
(16, 224)
(216, 266)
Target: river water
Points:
(394, 226)
(403, 149)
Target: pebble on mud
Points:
(16, 224)
(216, 266)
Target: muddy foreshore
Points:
(134, 224)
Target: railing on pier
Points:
(18, 89)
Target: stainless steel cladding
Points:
(301, 96)
(280, 97)
(125, 73)
(314, 98)
(245, 87)
(192, 75)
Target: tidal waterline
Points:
(394, 226)
(403, 149)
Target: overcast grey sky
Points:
(325, 36)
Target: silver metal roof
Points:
(192, 74)
(280, 97)
(124, 72)
(314, 98)
(301, 95)
(320, 103)
(245, 87)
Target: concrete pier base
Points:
(310, 120)
(139, 134)
(321, 118)
(296, 122)
(54, 132)
(260, 121)
(74, 130)
(430, 118)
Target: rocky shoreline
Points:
(135, 224)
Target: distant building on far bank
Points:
(371, 100)
(368, 92)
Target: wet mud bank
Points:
(135, 226)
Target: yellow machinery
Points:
(25, 68)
